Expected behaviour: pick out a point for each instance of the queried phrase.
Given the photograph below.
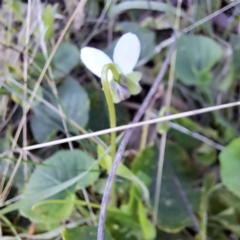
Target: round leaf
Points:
(230, 166)
(65, 59)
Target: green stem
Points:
(110, 103)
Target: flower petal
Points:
(127, 52)
(94, 59)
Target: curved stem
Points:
(110, 103)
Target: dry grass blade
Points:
(80, 5)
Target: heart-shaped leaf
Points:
(59, 168)
(75, 103)
(196, 55)
(177, 167)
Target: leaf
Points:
(122, 171)
(224, 208)
(82, 233)
(106, 163)
(146, 38)
(98, 115)
(18, 94)
(59, 168)
(144, 5)
(48, 20)
(230, 166)
(75, 103)
(122, 226)
(65, 59)
(205, 154)
(131, 206)
(196, 55)
(7, 165)
(99, 186)
(229, 219)
(167, 236)
(235, 43)
(149, 231)
(92, 9)
(4, 145)
(133, 79)
(177, 167)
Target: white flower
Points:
(125, 55)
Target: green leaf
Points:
(133, 79)
(98, 115)
(196, 55)
(141, 165)
(92, 9)
(7, 165)
(4, 145)
(144, 5)
(230, 166)
(168, 236)
(177, 167)
(224, 208)
(123, 226)
(235, 43)
(122, 171)
(58, 169)
(149, 231)
(205, 154)
(75, 103)
(65, 59)
(229, 219)
(131, 206)
(106, 163)
(18, 93)
(48, 20)
(82, 233)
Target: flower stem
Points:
(110, 103)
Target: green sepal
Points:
(133, 79)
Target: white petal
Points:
(127, 52)
(94, 59)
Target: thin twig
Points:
(25, 79)
(211, 16)
(51, 81)
(196, 136)
(60, 108)
(6, 189)
(80, 5)
(98, 23)
(54, 109)
(164, 135)
(13, 110)
(124, 142)
(134, 125)
(180, 128)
